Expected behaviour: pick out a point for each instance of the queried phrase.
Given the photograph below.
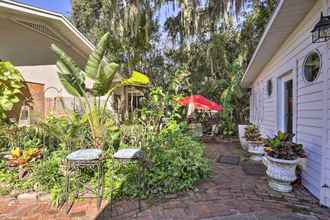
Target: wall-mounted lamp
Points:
(321, 31)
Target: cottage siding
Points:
(326, 149)
(309, 109)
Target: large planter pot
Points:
(256, 149)
(241, 134)
(196, 129)
(281, 173)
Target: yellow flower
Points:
(268, 149)
(16, 152)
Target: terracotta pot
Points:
(256, 149)
(281, 173)
(241, 134)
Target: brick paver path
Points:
(229, 194)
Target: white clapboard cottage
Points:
(289, 78)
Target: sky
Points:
(61, 6)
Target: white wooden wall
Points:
(311, 118)
(325, 163)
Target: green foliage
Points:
(234, 100)
(177, 162)
(208, 60)
(252, 133)
(102, 72)
(53, 137)
(68, 133)
(253, 27)
(214, 49)
(281, 146)
(174, 161)
(47, 174)
(11, 84)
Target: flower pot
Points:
(281, 173)
(256, 149)
(241, 134)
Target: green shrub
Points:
(46, 174)
(11, 84)
(175, 162)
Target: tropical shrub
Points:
(11, 83)
(101, 71)
(177, 162)
(174, 162)
(252, 133)
(281, 146)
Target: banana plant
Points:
(101, 72)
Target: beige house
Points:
(26, 34)
(289, 78)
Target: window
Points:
(269, 87)
(312, 66)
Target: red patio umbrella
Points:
(200, 102)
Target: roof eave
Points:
(55, 18)
(245, 82)
(287, 16)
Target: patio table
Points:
(85, 158)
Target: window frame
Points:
(269, 82)
(320, 68)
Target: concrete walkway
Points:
(229, 194)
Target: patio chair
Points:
(124, 156)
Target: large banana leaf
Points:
(71, 76)
(136, 79)
(70, 85)
(93, 67)
(104, 83)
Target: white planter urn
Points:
(256, 149)
(281, 173)
(196, 129)
(241, 134)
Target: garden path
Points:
(229, 194)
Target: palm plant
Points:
(101, 71)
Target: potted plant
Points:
(255, 142)
(241, 135)
(281, 160)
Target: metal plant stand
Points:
(84, 159)
(124, 156)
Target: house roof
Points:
(287, 16)
(57, 21)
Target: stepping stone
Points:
(228, 159)
(254, 169)
(27, 196)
